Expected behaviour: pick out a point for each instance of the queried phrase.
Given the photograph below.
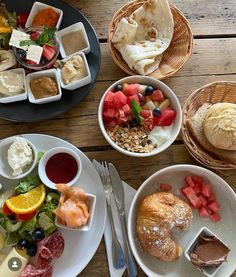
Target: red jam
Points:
(61, 168)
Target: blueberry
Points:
(32, 250)
(23, 243)
(149, 90)
(156, 112)
(118, 88)
(134, 122)
(37, 234)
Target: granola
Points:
(132, 139)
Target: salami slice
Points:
(37, 270)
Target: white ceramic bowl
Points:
(38, 6)
(72, 28)
(39, 74)
(224, 229)
(5, 169)
(167, 93)
(47, 155)
(79, 83)
(20, 97)
(91, 202)
(210, 271)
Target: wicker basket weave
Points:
(217, 92)
(174, 57)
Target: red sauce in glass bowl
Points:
(61, 168)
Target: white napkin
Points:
(129, 193)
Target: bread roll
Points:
(219, 126)
(157, 215)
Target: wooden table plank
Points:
(207, 18)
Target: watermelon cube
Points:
(165, 187)
(203, 200)
(131, 89)
(121, 113)
(215, 217)
(188, 181)
(197, 189)
(187, 191)
(119, 99)
(146, 113)
(203, 212)
(108, 115)
(126, 109)
(206, 190)
(212, 197)
(197, 180)
(133, 97)
(112, 124)
(108, 100)
(157, 95)
(214, 206)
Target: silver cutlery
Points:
(117, 252)
(118, 191)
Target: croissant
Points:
(157, 215)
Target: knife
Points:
(118, 191)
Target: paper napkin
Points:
(129, 193)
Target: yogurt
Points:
(160, 135)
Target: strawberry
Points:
(35, 35)
(49, 51)
(166, 118)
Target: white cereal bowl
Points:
(72, 28)
(224, 229)
(79, 83)
(20, 97)
(38, 6)
(168, 92)
(5, 169)
(47, 155)
(91, 202)
(39, 74)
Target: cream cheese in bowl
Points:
(160, 135)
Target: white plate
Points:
(225, 229)
(79, 246)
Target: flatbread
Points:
(145, 35)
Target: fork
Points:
(117, 252)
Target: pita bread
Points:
(145, 35)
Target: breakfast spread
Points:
(19, 155)
(72, 210)
(73, 42)
(138, 117)
(46, 17)
(157, 215)
(11, 83)
(143, 37)
(73, 70)
(209, 252)
(43, 87)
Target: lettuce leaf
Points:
(27, 184)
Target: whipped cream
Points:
(20, 155)
(160, 135)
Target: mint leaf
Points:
(27, 42)
(136, 109)
(47, 36)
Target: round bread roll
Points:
(219, 126)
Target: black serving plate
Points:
(24, 111)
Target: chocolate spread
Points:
(209, 251)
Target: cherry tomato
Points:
(25, 217)
(6, 210)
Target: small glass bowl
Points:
(21, 54)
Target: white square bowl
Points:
(79, 83)
(72, 28)
(208, 271)
(19, 97)
(38, 74)
(38, 6)
(91, 202)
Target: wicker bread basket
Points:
(217, 92)
(174, 57)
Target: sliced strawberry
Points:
(35, 35)
(165, 187)
(166, 118)
(6, 210)
(146, 113)
(119, 99)
(215, 217)
(197, 179)
(30, 62)
(206, 190)
(131, 89)
(108, 101)
(188, 181)
(157, 95)
(203, 200)
(49, 52)
(214, 206)
(126, 109)
(21, 19)
(203, 212)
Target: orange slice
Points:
(27, 202)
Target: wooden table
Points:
(213, 59)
